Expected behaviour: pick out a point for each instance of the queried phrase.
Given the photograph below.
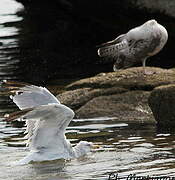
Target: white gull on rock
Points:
(136, 45)
(46, 121)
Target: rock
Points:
(79, 97)
(165, 7)
(162, 103)
(125, 107)
(131, 79)
(123, 94)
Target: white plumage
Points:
(33, 96)
(136, 45)
(46, 120)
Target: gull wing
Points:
(113, 50)
(45, 123)
(113, 42)
(30, 96)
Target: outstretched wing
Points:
(45, 117)
(30, 96)
(45, 123)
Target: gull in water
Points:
(46, 119)
(136, 45)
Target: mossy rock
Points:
(162, 104)
(122, 94)
(129, 106)
(131, 79)
(79, 97)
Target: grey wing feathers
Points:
(45, 122)
(33, 96)
(107, 51)
(112, 50)
(43, 112)
(113, 42)
(29, 130)
(52, 113)
(45, 117)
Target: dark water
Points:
(124, 148)
(9, 48)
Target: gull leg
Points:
(144, 65)
(145, 72)
(115, 68)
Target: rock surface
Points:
(162, 103)
(123, 94)
(165, 7)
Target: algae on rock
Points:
(123, 94)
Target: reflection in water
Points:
(9, 47)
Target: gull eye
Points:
(19, 92)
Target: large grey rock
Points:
(123, 94)
(130, 106)
(79, 97)
(162, 103)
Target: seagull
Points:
(136, 45)
(46, 119)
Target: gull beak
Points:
(95, 146)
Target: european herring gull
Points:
(136, 45)
(46, 119)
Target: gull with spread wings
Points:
(46, 119)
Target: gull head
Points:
(86, 146)
(83, 147)
(151, 22)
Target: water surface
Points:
(124, 148)
(9, 48)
